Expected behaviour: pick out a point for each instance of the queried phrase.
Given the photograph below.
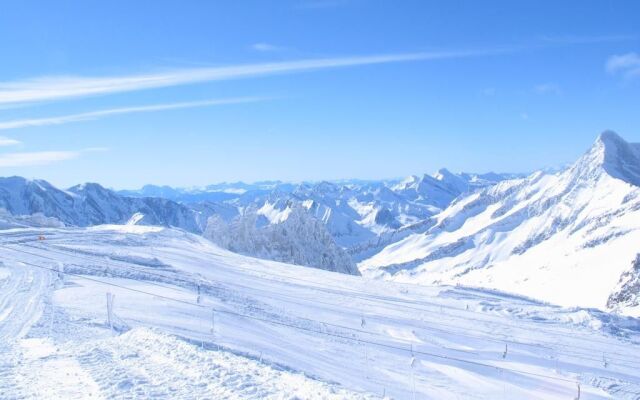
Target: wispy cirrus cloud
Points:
(39, 158)
(5, 141)
(628, 65)
(267, 47)
(65, 87)
(93, 115)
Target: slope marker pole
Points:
(213, 329)
(413, 380)
(110, 299)
(363, 323)
(61, 271)
(51, 319)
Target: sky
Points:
(189, 93)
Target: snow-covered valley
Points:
(191, 320)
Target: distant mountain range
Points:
(92, 204)
(355, 212)
(351, 215)
(569, 237)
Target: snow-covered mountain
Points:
(440, 189)
(282, 232)
(103, 206)
(359, 216)
(570, 238)
(356, 212)
(91, 204)
(219, 192)
(298, 239)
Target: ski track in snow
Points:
(55, 342)
(22, 294)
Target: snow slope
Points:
(194, 321)
(567, 238)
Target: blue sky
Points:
(189, 93)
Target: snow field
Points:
(301, 320)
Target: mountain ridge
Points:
(544, 236)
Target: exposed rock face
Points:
(628, 294)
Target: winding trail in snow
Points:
(23, 292)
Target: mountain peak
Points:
(87, 186)
(443, 174)
(613, 155)
(609, 137)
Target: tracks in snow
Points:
(23, 292)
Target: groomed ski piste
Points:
(192, 321)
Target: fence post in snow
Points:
(578, 397)
(110, 298)
(60, 271)
(107, 273)
(363, 323)
(51, 319)
(504, 385)
(413, 381)
(366, 360)
(506, 350)
(199, 298)
(213, 327)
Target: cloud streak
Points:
(93, 115)
(39, 158)
(266, 47)
(5, 141)
(61, 87)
